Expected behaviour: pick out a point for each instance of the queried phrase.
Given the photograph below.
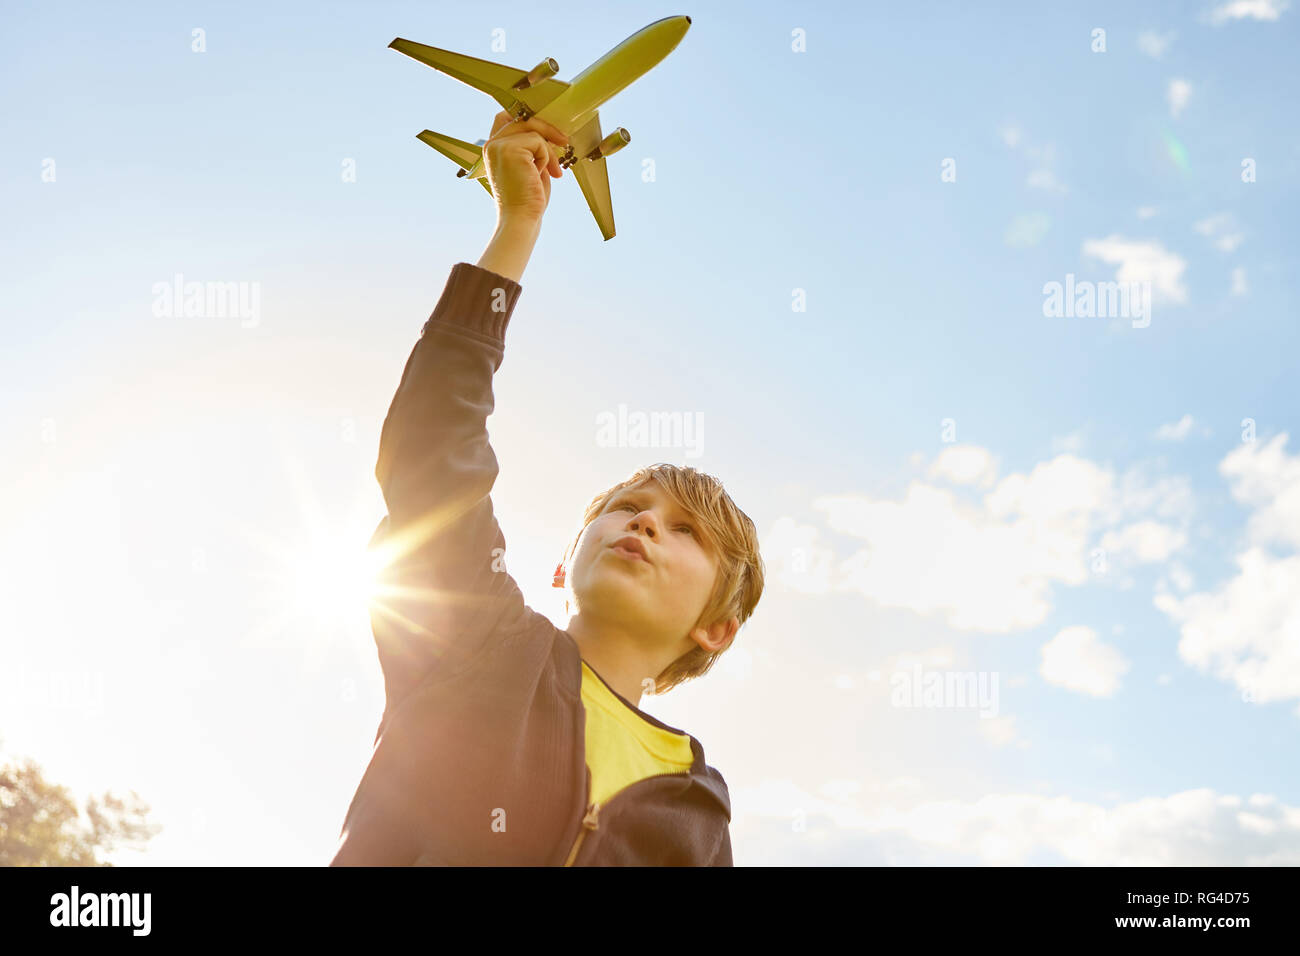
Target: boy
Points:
(505, 740)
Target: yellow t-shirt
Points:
(622, 746)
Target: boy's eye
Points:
(628, 505)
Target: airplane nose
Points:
(688, 20)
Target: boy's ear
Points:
(718, 637)
(557, 581)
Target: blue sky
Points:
(943, 476)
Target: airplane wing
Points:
(592, 176)
(492, 78)
(465, 155)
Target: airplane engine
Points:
(544, 70)
(611, 144)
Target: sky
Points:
(1033, 575)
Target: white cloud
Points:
(1244, 631)
(1027, 229)
(1000, 731)
(1142, 261)
(965, 465)
(1072, 442)
(1145, 541)
(1177, 431)
(1077, 660)
(794, 557)
(841, 788)
(1252, 9)
(1061, 488)
(1181, 577)
(1180, 91)
(1266, 478)
(1218, 228)
(1146, 212)
(987, 566)
(1192, 828)
(1239, 286)
(942, 657)
(1153, 44)
(1044, 153)
(1166, 497)
(932, 554)
(1212, 224)
(1045, 179)
(1041, 156)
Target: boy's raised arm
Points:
(443, 589)
(510, 247)
(444, 593)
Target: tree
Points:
(41, 825)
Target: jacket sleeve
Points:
(443, 592)
(723, 856)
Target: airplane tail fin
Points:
(463, 154)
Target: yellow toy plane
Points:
(570, 107)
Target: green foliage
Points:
(41, 825)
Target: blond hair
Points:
(731, 535)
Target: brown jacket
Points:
(480, 756)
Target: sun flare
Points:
(318, 576)
(333, 581)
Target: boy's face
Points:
(665, 593)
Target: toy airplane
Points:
(570, 107)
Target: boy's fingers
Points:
(545, 129)
(498, 121)
(551, 132)
(545, 153)
(541, 127)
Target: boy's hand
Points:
(521, 158)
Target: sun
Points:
(319, 579)
(333, 580)
(317, 584)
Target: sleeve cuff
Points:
(477, 300)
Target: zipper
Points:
(591, 820)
